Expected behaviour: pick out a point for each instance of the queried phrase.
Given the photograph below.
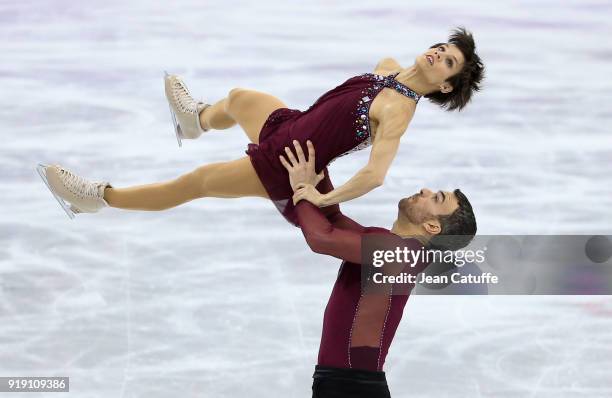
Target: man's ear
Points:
(432, 227)
(446, 87)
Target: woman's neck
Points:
(413, 79)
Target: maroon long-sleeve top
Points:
(358, 327)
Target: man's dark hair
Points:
(464, 82)
(457, 229)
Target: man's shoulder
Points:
(392, 238)
(374, 230)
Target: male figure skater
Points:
(359, 325)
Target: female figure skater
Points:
(369, 109)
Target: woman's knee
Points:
(235, 98)
(194, 184)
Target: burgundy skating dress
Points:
(337, 123)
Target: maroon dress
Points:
(337, 124)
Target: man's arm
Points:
(385, 146)
(325, 238)
(322, 235)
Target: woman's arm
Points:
(392, 126)
(333, 213)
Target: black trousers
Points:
(348, 383)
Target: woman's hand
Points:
(301, 171)
(308, 192)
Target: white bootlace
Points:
(183, 98)
(79, 185)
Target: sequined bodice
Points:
(337, 123)
(363, 134)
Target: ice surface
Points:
(222, 298)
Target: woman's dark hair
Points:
(457, 229)
(467, 80)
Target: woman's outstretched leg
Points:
(76, 194)
(234, 179)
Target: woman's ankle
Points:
(215, 117)
(204, 125)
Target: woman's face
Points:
(439, 63)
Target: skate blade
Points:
(40, 168)
(177, 127)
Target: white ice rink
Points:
(222, 298)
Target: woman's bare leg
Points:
(234, 179)
(216, 116)
(249, 108)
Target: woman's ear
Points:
(446, 87)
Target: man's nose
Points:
(425, 192)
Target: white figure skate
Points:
(75, 194)
(185, 111)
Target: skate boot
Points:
(83, 195)
(185, 111)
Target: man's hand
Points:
(301, 171)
